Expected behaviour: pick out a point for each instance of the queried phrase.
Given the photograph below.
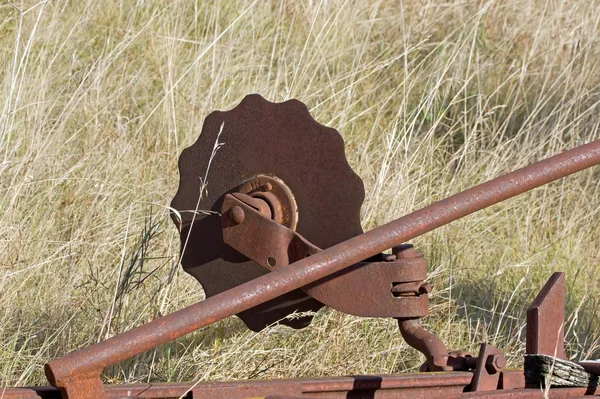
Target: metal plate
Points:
(262, 138)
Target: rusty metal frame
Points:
(409, 386)
(77, 375)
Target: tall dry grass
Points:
(98, 98)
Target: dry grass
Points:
(98, 98)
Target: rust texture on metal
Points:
(562, 393)
(272, 245)
(403, 386)
(459, 360)
(86, 385)
(254, 235)
(276, 195)
(490, 364)
(425, 342)
(372, 287)
(545, 319)
(235, 151)
(393, 287)
(268, 287)
(545, 323)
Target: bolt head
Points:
(237, 214)
(500, 362)
(495, 363)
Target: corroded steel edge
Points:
(448, 385)
(409, 386)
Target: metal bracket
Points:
(393, 287)
(490, 364)
(545, 319)
(256, 236)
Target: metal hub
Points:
(312, 189)
(273, 193)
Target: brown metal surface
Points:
(259, 238)
(255, 235)
(592, 367)
(365, 289)
(277, 195)
(545, 319)
(370, 283)
(425, 342)
(86, 385)
(559, 393)
(260, 138)
(460, 361)
(273, 245)
(404, 386)
(512, 379)
(490, 364)
(309, 270)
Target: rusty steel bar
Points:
(554, 393)
(91, 360)
(403, 386)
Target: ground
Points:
(99, 98)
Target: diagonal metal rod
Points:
(90, 361)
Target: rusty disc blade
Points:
(262, 138)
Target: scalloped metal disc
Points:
(262, 138)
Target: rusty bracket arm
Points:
(251, 231)
(66, 371)
(390, 287)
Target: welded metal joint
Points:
(75, 384)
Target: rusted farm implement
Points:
(279, 232)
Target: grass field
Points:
(98, 98)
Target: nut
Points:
(495, 363)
